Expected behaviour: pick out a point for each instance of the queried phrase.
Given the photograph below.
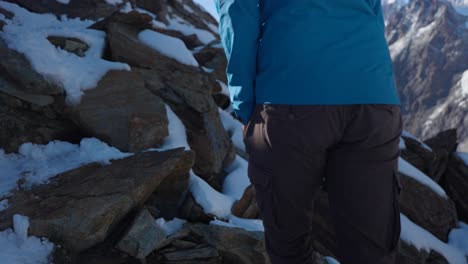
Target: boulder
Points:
(79, 208)
(432, 163)
(193, 212)
(122, 112)
(143, 236)
(455, 183)
(22, 122)
(247, 206)
(186, 89)
(426, 208)
(16, 68)
(72, 45)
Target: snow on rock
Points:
(114, 2)
(464, 83)
(247, 224)
(27, 33)
(35, 164)
(65, 2)
(209, 6)
(169, 46)
(17, 248)
(399, 3)
(411, 171)
(3, 204)
(236, 181)
(212, 201)
(458, 238)
(424, 240)
(170, 227)
(179, 24)
(233, 127)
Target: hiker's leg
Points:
(363, 186)
(287, 147)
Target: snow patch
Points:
(424, 240)
(170, 227)
(36, 164)
(233, 127)
(236, 181)
(17, 248)
(409, 135)
(458, 237)
(3, 204)
(247, 224)
(65, 2)
(179, 24)
(114, 2)
(463, 156)
(169, 46)
(464, 83)
(27, 33)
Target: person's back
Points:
(313, 82)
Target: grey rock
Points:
(81, 207)
(192, 254)
(72, 45)
(122, 112)
(143, 236)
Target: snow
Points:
(126, 8)
(212, 201)
(409, 135)
(170, 227)
(36, 164)
(27, 33)
(65, 2)
(398, 3)
(247, 224)
(169, 46)
(411, 171)
(114, 2)
(233, 127)
(402, 144)
(179, 24)
(464, 83)
(424, 240)
(236, 181)
(458, 237)
(17, 248)
(463, 156)
(331, 260)
(209, 6)
(3, 204)
(224, 88)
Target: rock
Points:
(21, 122)
(122, 112)
(187, 90)
(432, 163)
(13, 90)
(192, 254)
(89, 9)
(79, 208)
(72, 45)
(455, 183)
(170, 195)
(16, 68)
(426, 208)
(215, 59)
(410, 255)
(247, 206)
(143, 236)
(193, 212)
(445, 140)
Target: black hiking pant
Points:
(354, 149)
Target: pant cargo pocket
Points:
(261, 180)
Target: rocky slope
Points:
(117, 145)
(429, 45)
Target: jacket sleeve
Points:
(239, 28)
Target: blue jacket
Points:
(305, 52)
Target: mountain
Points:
(428, 41)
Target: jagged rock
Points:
(16, 68)
(247, 206)
(21, 122)
(455, 183)
(215, 59)
(90, 9)
(432, 163)
(13, 90)
(187, 90)
(79, 208)
(170, 195)
(426, 208)
(122, 112)
(445, 140)
(72, 45)
(143, 236)
(193, 212)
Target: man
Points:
(312, 81)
